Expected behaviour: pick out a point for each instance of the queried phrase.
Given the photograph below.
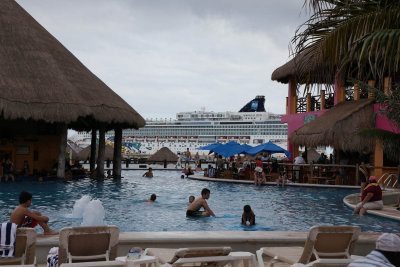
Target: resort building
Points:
(333, 113)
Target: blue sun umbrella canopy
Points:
(209, 147)
(230, 149)
(269, 148)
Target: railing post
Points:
(310, 178)
(356, 91)
(322, 104)
(308, 102)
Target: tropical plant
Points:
(358, 38)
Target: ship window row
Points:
(220, 127)
(205, 132)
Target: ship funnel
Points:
(255, 105)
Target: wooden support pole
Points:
(371, 94)
(61, 154)
(292, 96)
(117, 153)
(100, 156)
(378, 159)
(93, 150)
(356, 91)
(308, 102)
(322, 104)
(287, 107)
(388, 85)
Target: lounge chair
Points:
(95, 264)
(324, 245)
(216, 256)
(25, 245)
(88, 243)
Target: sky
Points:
(169, 56)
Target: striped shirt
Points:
(375, 259)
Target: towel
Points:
(52, 257)
(8, 233)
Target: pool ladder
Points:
(387, 180)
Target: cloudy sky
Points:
(167, 56)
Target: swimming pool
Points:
(276, 209)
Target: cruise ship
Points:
(251, 125)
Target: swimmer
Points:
(191, 199)
(148, 174)
(153, 198)
(248, 215)
(194, 208)
(182, 176)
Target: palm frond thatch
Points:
(41, 80)
(390, 140)
(163, 154)
(338, 127)
(84, 154)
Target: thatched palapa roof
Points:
(163, 154)
(84, 154)
(338, 127)
(41, 80)
(300, 68)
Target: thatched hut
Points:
(84, 154)
(162, 155)
(45, 90)
(338, 127)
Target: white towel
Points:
(8, 234)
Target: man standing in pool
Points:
(194, 208)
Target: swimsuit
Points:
(28, 222)
(194, 213)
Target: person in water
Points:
(194, 208)
(23, 217)
(248, 215)
(148, 174)
(153, 198)
(191, 199)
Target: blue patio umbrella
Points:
(209, 147)
(229, 149)
(267, 147)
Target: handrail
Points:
(388, 179)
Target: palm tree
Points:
(357, 38)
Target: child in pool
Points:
(248, 215)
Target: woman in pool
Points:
(259, 176)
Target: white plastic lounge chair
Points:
(88, 243)
(25, 245)
(324, 245)
(215, 256)
(95, 264)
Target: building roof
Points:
(300, 68)
(84, 154)
(163, 154)
(41, 80)
(338, 127)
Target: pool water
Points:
(276, 209)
